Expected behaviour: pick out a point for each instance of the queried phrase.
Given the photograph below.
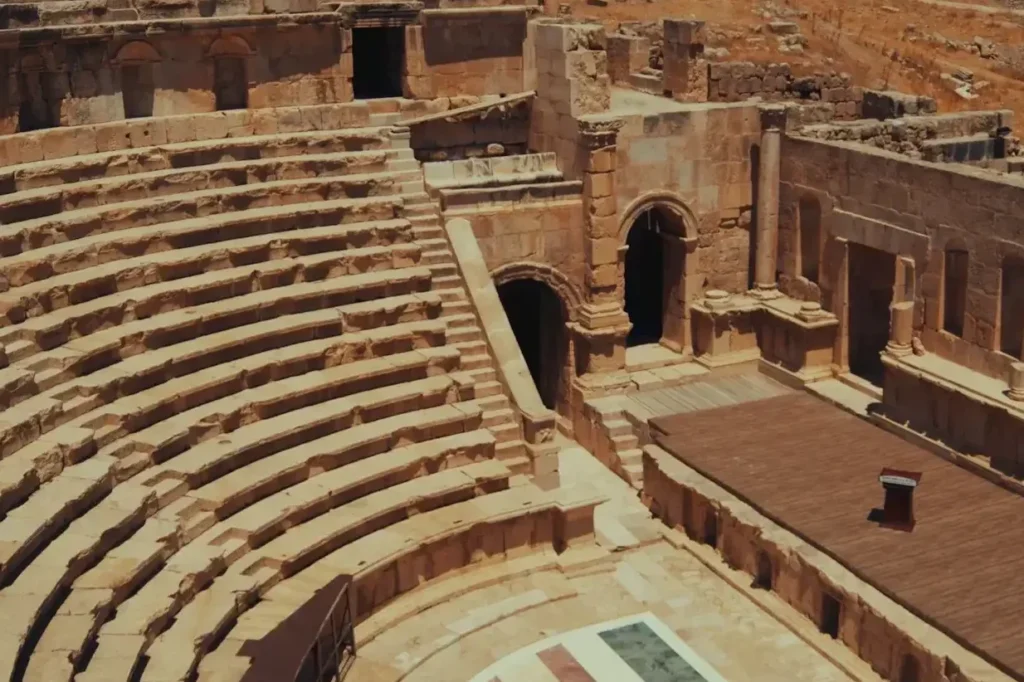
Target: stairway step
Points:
(506, 432)
(459, 335)
(483, 375)
(461, 321)
(493, 402)
(618, 427)
(486, 389)
(455, 308)
(436, 257)
(510, 450)
(444, 269)
(632, 457)
(500, 417)
(625, 442)
(520, 465)
(471, 347)
(471, 361)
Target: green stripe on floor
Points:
(649, 655)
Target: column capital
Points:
(597, 132)
(773, 117)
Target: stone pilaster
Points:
(773, 122)
(686, 69)
(603, 324)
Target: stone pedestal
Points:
(798, 337)
(773, 122)
(901, 329)
(685, 68)
(724, 329)
(1016, 382)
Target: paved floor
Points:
(635, 574)
(638, 648)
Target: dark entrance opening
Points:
(538, 322)
(710, 529)
(137, 90)
(830, 611)
(763, 579)
(872, 278)
(645, 278)
(378, 59)
(230, 83)
(36, 112)
(910, 670)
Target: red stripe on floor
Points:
(563, 665)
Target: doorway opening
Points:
(230, 83)
(137, 90)
(910, 670)
(872, 278)
(538, 322)
(764, 578)
(378, 60)
(710, 528)
(36, 112)
(645, 278)
(831, 608)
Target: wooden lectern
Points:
(898, 512)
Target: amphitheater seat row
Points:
(228, 373)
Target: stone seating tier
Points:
(221, 363)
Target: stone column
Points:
(773, 122)
(603, 324)
(901, 329)
(1016, 382)
(686, 69)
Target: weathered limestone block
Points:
(686, 69)
(627, 55)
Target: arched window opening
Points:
(230, 83)
(954, 303)
(1011, 307)
(810, 238)
(645, 278)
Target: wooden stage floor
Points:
(813, 469)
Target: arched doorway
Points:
(538, 321)
(645, 278)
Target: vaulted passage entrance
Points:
(538, 321)
(645, 278)
(872, 278)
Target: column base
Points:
(765, 292)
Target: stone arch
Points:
(659, 307)
(230, 46)
(671, 205)
(567, 292)
(137, 52)
(539, 303)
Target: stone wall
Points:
(440, 140)
(914, 209)
(912, 135)
(703, 159)
(734, 81)
(477, 51)
(517, 225)
(572, 81)
(68, 83)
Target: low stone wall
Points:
(941, 410)
(441, 140)
(881, 632)
(735, 81)
(908, 135)
(54, 143)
